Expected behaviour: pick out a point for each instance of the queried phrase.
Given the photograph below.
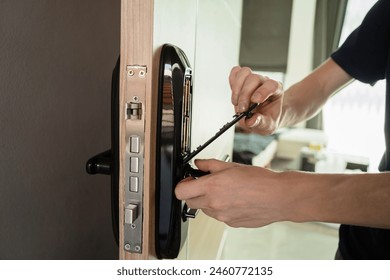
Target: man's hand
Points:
(239, 195)
(247, 88)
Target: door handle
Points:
(100, 164)
(107, 162)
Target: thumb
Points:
(213, 165)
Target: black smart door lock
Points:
(173, 143)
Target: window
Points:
(354, 117)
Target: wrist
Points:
(303, 196)
(289, 205)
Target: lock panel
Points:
(134, 158)
(172, 144)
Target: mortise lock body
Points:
(134, 157)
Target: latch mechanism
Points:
(134, 110)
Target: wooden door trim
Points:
(137, 49)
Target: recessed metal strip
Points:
(134, 166)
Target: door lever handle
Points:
(100, 164)
(189, 213)
(195, 173)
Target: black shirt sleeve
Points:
(365, 52)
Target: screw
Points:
(137, 248)
(130, 72)
(141, 73)
(133, 226)
(127, 247)
(135, 98)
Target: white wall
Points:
(300, 53)
(209, 33)
(217, 51)
(175, 23)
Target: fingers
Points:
(236, 78)
(266, 90)
(243, 83)
(212, 165)
(261, 124)
(197, 203)
(190, 188)
(254, 121)
(248, 87)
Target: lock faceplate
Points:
(134, 166)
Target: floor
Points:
(281, 241)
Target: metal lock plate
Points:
(134, 167)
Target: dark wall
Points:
(56, 59)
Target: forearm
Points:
(305, 98)
(356, 199)
(298, 106)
